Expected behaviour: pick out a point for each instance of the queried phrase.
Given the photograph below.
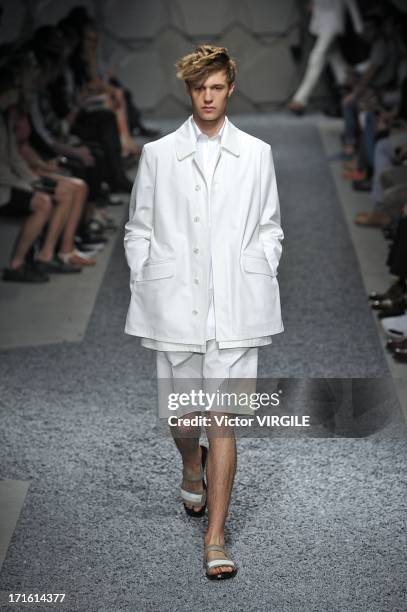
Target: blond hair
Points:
(205, 60)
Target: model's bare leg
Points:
(221, 469)
(42, 206)
(187, 441)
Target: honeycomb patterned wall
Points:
(142, 39)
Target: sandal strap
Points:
(192, 478)
(219, 563)
(197, 498)
(65, 257)
(217, 547)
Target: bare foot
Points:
(217, 554)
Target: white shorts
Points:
(231, 370)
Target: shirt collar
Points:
(198, 133)
(186, 143)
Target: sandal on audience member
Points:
(222, 561)
(77, 258)
(197, 498)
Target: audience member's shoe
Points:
(387, 303)
(363, 185)
(375, 218)
(90, 239)
(56, 266)
(395, 327)
(95, 227)
(396, 310)
(400, 355)
(77, 258)
(391, 345)
(296, 107)
(25, 274)
(115, 200)
(354, 175)
(103, 221)
(395, 291)
(91, 249)
(109, 199)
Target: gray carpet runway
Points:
(315, 524)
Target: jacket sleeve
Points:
(137, 231)
(270, 233)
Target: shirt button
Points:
(194, 312)
(196, 250)
(196, 281)
(197, 187)
(196, 219)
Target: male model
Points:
(203, 243)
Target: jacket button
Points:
(194, 312)
(197, 187)
(196, 281)
(196, 250)
(196, 219)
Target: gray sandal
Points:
(218, 563)
(198, 498)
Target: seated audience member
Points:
(380, 76)
(95, 92)
(18, 197)
(65, 211)
(50, 133)
(70, 192)
(79, 19)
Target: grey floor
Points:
(315, 524)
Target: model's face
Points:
(210, 97)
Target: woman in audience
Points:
(97, 92)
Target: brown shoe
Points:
(400, 355)
(392, 345)
(372, 219)
(296, 107)
(395, 291)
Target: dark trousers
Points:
(101, 126)
(397, 259)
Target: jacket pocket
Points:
(257, 265)
(156, 269)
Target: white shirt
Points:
(208, 151)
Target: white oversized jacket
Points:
(168, 243)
